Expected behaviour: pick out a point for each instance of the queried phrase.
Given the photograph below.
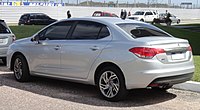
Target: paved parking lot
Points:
(49, 94)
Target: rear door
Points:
(81, 49)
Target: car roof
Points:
(145, 11)
(106, 20)
(34, 14)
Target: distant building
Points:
(187, 5)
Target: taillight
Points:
(145, 52)
(189, 48)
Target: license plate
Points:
(178, 56)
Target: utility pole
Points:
(135, 3)
(87, 3)
(169, 2)
(148, 3)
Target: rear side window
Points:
(142, 30)
(104, 32)
(97, 14)
(4, 29)
(32, 16)
(88, 30)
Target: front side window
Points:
(139, 13)
(24, 17)
(57, 31)
(148, 13)
(142, 30)
(89, 30)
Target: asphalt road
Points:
(50, 94)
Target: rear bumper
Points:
(171, 80)
(141, 73)
(3, 51)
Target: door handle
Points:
(94, 48)
(57, 47)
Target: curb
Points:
(189, 85)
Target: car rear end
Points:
(6, 38)
(156, 58)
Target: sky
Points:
(176, 2)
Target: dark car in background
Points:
(163, 19)
(104, 14)
(35, 19)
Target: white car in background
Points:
(145, 16)
(6, 38)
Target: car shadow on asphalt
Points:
(84, 94)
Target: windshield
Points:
(139, 13)
(142, 30)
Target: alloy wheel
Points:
(18, 68)
(109, 84)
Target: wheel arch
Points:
(13, 58)
(104, 64)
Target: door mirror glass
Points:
(36, 38)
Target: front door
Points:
(45, 54)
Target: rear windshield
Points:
(142, 30)
(3, 29)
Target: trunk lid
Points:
(176, 50)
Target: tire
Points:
(4, 60)
(20, 68)
(142, 20)
(178, 21)
(111, 84)
(154, 21)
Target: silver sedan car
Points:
(115, 55)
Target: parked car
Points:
(162, 19)
(145, 16)
(35, 19)
(6, 38)
(115, 55)
(105, 14)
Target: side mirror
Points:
(36, 38)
